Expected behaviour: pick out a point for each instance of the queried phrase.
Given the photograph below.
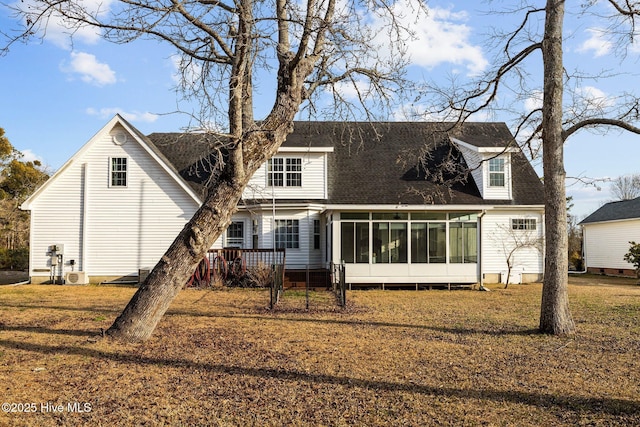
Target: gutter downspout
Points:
(85, 210)
(480, 263)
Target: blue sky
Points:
(56, 96)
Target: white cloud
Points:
(132, 116)
(29, 156)
(440, 36)
(90, 70)
(594, 98)
(191, 73)
(596, 43)
(60, 33)
(534, 101)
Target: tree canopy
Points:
(18, 179)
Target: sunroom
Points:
(419, 247)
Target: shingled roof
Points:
(625, 209)
(381, 163)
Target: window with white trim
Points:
(235, 234)
(284, 172)
(118, 173)
(287, 233)
(496, 172)
(523, 224)
(316, 234)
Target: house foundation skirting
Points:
(622, 272)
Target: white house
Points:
(606, 236)
(397, 203)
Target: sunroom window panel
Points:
(463, 242)
(470, 235)
(355, 242)
(398, 242)
(438, 243)
(419, 243)
(362, 242)
(347, 237)
(380, 242)
(455, 243)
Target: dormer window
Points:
(284, 172)
(496, 172)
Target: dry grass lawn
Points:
(392, 358)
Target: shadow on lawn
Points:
(616, 407)
(277, 318)
(42, 330)
(451, 330)
(65, 308)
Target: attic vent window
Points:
(496, 172)
(118, 172)
(119, 138)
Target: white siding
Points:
(479, 165)
(314, 172)
(607, 243)
(498, 240)
(296, 257)
(127, 228)
(245, 218)
(497, 193)
(474, 159)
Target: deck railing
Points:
(265, 266)
(250, 257)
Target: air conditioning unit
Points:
(76, 278)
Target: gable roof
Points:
(368, 163)
(144, 142)
(613, 211)
(398, 163)
(379, 163)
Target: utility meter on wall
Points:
(58, 249)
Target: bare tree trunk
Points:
(139, 319)
(252, 148)
(555, 317)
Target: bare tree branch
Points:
(600, 122)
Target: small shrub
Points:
(261, 275)
(257, 276)
(633, 256)
(14, 259)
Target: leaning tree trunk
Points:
(555, 317)
(251, 149)
(140, 317)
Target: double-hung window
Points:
(275, 174)
(235, 234)
(287, 233)
(496, 172)
(284, 172)
(118, 168)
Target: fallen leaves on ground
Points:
(390, 358)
